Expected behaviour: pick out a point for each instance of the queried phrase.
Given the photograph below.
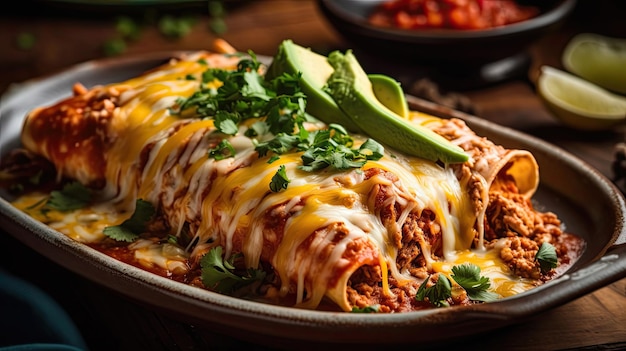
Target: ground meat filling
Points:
(365, 287)
(513, 225)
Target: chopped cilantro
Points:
(25, 40)
(280, 180)
(130, 229)
(220, 274)
(546, 256)
(331, 148)
(114, 47)
(222, 151)
(217, 13)
(468, 276)
(176, 27)
(279, 107)
(436, 294)
(366, 309)
(127, 28)
(73, 196)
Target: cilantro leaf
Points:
(332, 148)
(436, 294)
(73, 196)
(219, 274)
(468, 277)
(366, 309)
(371, 150)
(226, 122)
(546, 256)
(280, 180)
(280, 144)
(222, 151)
(130, 229)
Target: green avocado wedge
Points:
(352, 90)
(389, 92)
(315, 69)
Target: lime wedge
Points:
(579, 103)
(598, 59)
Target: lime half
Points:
(598, 59)
(579, 103)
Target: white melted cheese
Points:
(227, 200)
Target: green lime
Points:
(579, 103)
(598, 59)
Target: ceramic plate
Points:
(586, 201)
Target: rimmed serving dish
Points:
(589, 204)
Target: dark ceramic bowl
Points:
(461, 47)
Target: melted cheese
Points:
(226, 201)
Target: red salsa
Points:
(450, 14)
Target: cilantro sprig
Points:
(131, 228)
(220, 274)
(467, 276)
(438, 293)
(366, 309)
(72, 196)
(546, 256)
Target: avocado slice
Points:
(389, 92)
(352, 90)
(315, 70)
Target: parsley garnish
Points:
(220, 274)
(130, 229)
(546, 256)
(73, 196)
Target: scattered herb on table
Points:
(25, 40)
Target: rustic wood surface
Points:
(68, 33)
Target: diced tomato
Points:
(456, 14)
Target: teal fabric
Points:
(41, 347)
(31, 320)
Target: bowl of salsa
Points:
(449, 32)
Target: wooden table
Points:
(66, 35)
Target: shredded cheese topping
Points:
(162, 159)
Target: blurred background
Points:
(38, 38)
